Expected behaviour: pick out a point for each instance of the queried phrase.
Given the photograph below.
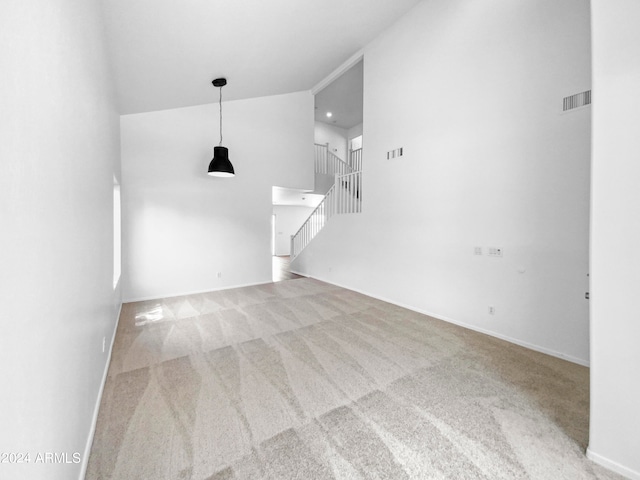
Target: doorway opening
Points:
(290, 209)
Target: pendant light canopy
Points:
(220, 166)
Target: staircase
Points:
(345, 196)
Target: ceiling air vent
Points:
(576, 101)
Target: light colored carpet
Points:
(305, 380)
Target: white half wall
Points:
(615, 236)
(289, 219)
(60, 153)
(336, 137)
(186, 232)
(473, 92)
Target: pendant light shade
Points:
(220, 166)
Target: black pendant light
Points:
(220, 166)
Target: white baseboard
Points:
(182, 294)
(96, 409)
(506, 338)
(611, 465)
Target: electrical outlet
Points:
(492, 310)
(477, 250)
(219, 274)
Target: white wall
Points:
(182, 227)
(473, 93)
(615, 236)
(336, 137)
(60, 152)
(289, 219)
(354, 131)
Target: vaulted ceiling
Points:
(166, 52)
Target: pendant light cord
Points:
(220, 144)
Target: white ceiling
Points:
(343, 98)
(292, 196)
(166, 52)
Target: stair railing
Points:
(349, 193)
(355, 159)
(328, 163)
(345, 196)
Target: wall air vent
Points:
(398, 152)
(575, 101)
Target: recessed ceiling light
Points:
(329, 114)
